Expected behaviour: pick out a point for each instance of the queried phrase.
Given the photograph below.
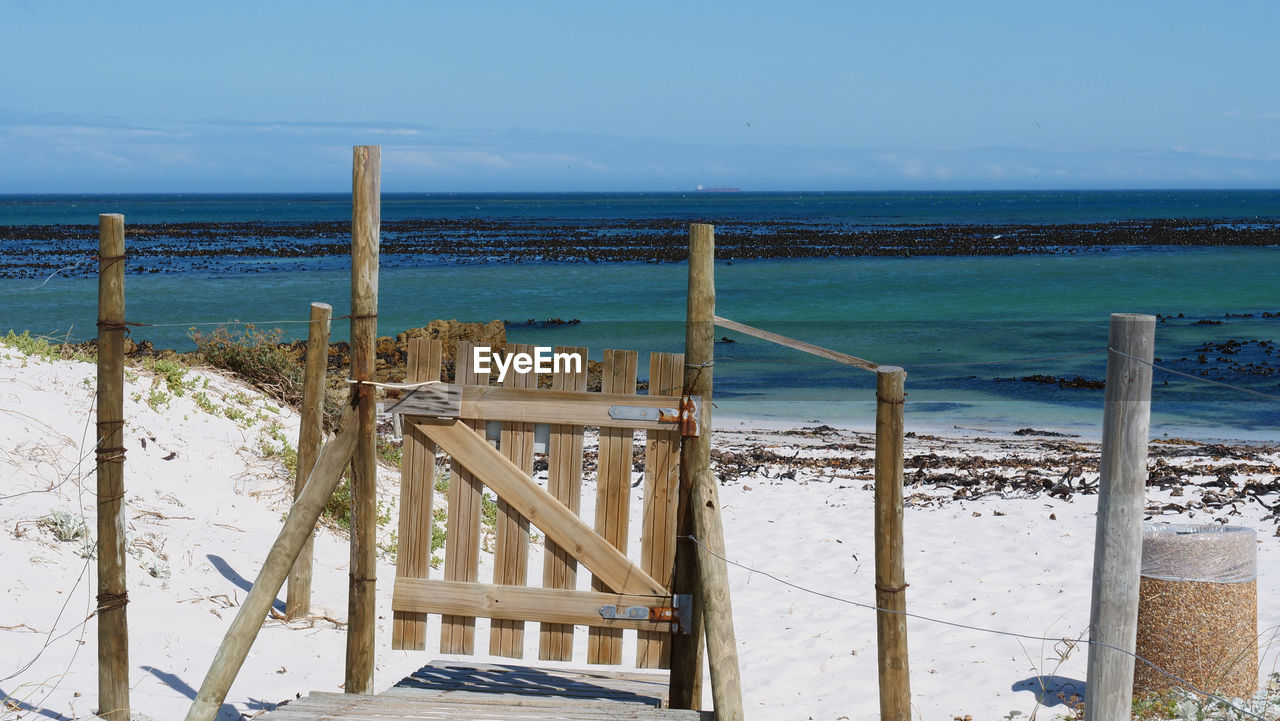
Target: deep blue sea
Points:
(968, 329)
(863, 208)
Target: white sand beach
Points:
(999, 537)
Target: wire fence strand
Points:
(1192, 376)
(52, 275)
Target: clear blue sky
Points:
(542, 96)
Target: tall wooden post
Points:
(1117, 552)
(298, 527)
(700, 569)
(891, 585)
(310, 437)
(695, 453)
(713, 586)
(365, 224)
(113, 626)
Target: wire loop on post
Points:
(114, 454)
(111, 601)
(117, 325)
(108, 260)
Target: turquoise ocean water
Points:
(967, 329)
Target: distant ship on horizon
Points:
(716, 189)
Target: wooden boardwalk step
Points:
(498, 692)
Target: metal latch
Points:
(641, 413)
(686, 416)
(679, 614)
(634, 613)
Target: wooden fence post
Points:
(310, 437)
(698, 569)
(1117, 553)
(891, 585)
(713, 586)
(298, 527)
(687, 649)
(113, 626)
(366, 210)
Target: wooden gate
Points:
(463, 420)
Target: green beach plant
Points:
(254, 356)
(173, 373)
(28, 344)
(46, 347)
(64, 526)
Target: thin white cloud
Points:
(445, 158)
(561, 160)
(391, 131)
(96, 131)
(63, 153)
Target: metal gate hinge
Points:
(690, 415)
(687, 417)
(683, 604)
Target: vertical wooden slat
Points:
(564, 481)
(113, 620)
(417, 488)
(613, 492)
(661, 483)
(462, 545)
(511, 546)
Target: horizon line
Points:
(690, 191)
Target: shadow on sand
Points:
(8, 703)
(1053, 691)
(226, 712)
(241, 582)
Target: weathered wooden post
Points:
(310, 437)
(713, 586)
(687, 649)
(366, 211)
(113, 625)
(1117, 553)
(298, 527)
(701, 569)
(891, 585)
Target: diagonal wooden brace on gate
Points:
(523, 494)
(536, 405)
